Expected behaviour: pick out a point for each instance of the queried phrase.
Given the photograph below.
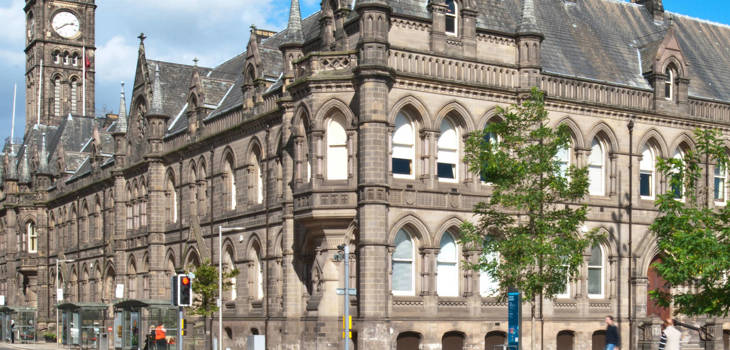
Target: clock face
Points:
(66, 24)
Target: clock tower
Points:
(60, 60)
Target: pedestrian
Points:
(673, 335)
(160, 333)
(613, 339)
(12, 331)
(663, 338)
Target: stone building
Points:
(348, 127)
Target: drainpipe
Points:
(629, 208)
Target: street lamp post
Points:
(222, 229)
(58, 339)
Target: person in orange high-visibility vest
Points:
(160, 337)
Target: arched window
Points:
(57, 96)
(669, 83)
(229, 266)
(75, 59)
(451, 17)
(493, 139)
(598, 340)
(258, 180)
(447, 267)
(130, 210)
(488, 284)
(448, 152)
(230, 179)
(403, 147)
(143, 205)
(74, 94)
(403, 266)
(171, 200)
(336, 149)
(202, 190)
(595, 273)
(135, 207)
(678, 188)
(66, 58)
(56, 57)
(720, 181)
(565, 340)
(32, 237)
(646, 173)
(494, 340)
(563, 159)
(84, 234)
(132, 280)
(597, 169)
(257, 274)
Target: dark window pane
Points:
(645, 185)
(677, 189)
(668, 90)
(719, 188)
(451, 6)
(450, 24)
(445, 171)
(401, 166)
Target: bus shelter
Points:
(82, 324)
(136, 322)
(24, 318)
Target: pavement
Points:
(31, 346)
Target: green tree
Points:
(531, 220)
(205, 288)
(693, 239)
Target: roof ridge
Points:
(705, 21)
(177, 64)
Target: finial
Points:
(195, 61)
(156, 108)
(141, 38)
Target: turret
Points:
(529, 44)
(120, 132)
(291, 48)
(156, 117)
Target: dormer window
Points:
(451, 23)
(669, 84)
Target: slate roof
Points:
(175, 83)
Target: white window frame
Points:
(444, 282)
(231, 179)
(454, 149)
(565, 295)
(566, 161)
(488, 285)
(678, 154)
(259, 277)
(335, 166)
(30, 229)
(409, 148)
(669, 72)
(602, 166)
(723, 174)
(650, 169)
(602, 268)
(412, 261)
(259, 182)
(455, 16)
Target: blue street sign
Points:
(514, 306)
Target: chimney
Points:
(655, 7)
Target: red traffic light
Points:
(185, 281)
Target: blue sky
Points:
(188, 29)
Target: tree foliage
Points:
(693, 239)
(205, 288)
(531, 221)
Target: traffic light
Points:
(184, 290)
(173, 289)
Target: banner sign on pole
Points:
(514, 307)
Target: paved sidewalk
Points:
(32, 346)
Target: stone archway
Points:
(655, 282)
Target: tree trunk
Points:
(532, 325)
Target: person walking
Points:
(613, 339)
(673, 335)
(663, 338)
(12, 331)
(160, 333)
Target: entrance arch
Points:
(656, 282)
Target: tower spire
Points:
(294, 27)
(122, 119)
(528, 21)
(156, 108)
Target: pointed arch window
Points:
(230, 179)
(493, 139)
(30, 229)
(488, 284)
(596, 272)
(57, 96)
(448, 152)
(74, 95)
(403, 147)
(669, 83)
(447, 267)
(130, 210)
(143, 206)
(646, 173)
(336, 149)
(56, 57)
(258, 180)
(229, 266)
(720, 182)
(171, 200)
(563, 159)
(257, 274)
(597, 169)
(403, 281)
(678, 188)
(451, 16)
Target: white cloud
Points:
(116, 60)
(13, 22)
